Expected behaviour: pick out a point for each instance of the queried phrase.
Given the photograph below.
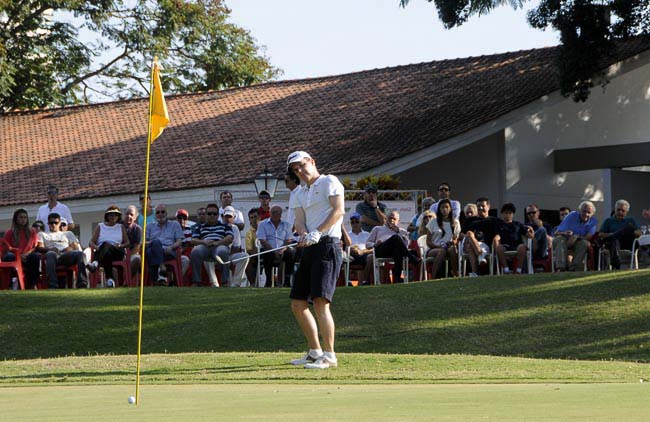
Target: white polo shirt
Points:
(315, 201)
(59, 208)
(359, 239)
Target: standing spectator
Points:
(163, 238)
(151, 217)
(134, 234)
(211, 240)
(226, 201)
(54, 206)
(25, 239)
(373, 212)
(618, 232)
(236, 251)
(273, 233)
(109, 240)
(443, 236)
(444, 192)
(251, 249)
(264, 210)
(509, 237)
(574, 234)
(59, 251)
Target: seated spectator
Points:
(109, 240)
(358, 251)
(212, 239)
(426, 205)
(373, 212)
(509, 237)
(58, 250)
(618, 232)
(226, 201)
(251, 249)
(39, 226)
(574, 234)
(200, 216)
(273, 233)
(73, 239)
(134, 234)
(444, 192)
(541, 237)
(426, 217)
(186, 247)
(390, 241)
(163, 238)
(236, 251)
(443, 236)
(563, 212)
(479, 234)
(25, 239)
(264, 211)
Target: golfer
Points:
(319, 210)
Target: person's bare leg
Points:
(300, 309)
(521, 257)
(325, 323)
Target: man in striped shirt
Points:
(212, 239)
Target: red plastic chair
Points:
(16, 265)
(67, 271)
(123, 266)
(177, 271)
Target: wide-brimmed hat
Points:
(113, 209)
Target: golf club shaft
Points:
(219, 261)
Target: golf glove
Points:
(312, 238)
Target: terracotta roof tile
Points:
(351, 123)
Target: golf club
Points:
(220, 261)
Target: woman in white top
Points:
(109, 240)
(442, 237)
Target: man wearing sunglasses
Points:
(58, 250)
(444, 192)
(54, 206)
(541, 238)
(164, 237)
(212, 239)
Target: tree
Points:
(588, 31)
(59, 52)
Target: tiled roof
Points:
(352, 123)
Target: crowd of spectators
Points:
(211, 250)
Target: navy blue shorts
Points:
(318, 271)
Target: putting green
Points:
(358, 403)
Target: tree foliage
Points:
(58, 52)
(588, 31)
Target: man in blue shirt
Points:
(274, 233)
(574, 234)
(618, 232)
(163, 238)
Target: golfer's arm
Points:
(300, 220)
(338, 211)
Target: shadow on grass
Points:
(582, 316)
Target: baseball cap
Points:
(63, 221)
(182, 212)
(371, 188)
(229, 211)
(355, 215)
(296, 156)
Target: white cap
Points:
(296, 156)
(229, 211)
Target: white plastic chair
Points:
(380, 262)
(463, 257)
(424, 248)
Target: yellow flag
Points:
(159, 116)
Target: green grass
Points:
(358, 403)
(593, 316)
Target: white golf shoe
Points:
(322, 363)
(308, 358)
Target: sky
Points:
(309, 38)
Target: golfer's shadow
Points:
(246, 368)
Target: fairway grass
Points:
(358, 403)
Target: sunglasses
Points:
(443, 189)
(52, 192)
(354, 221)
(161, 212)
(51, 223)
(211, 213)
(531, 212)
(181, 217)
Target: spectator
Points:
(426, 217)
(541, 237)
(426, 205)
(134, 234)
(39, 226)
(251, 249)
(59, 251)
(54, 206)
(226, 201)
(25, 239)
(470, 211)
(200, 216)
(163, 238)
(618, 232)
(574, 234)
(444, 192)
(151, 217)
(292, 182)
(358, 250)
(480, 232)
(443, 236)
(509, 237)
(181, 217)
(236, 251)
(211, 240)
(109, 240)
(390, 241)
(373, 212)
(563, 212)
(264, 210)
(73, 239)
(273, 233)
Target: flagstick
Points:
(144, 234)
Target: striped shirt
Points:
(216, 232)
